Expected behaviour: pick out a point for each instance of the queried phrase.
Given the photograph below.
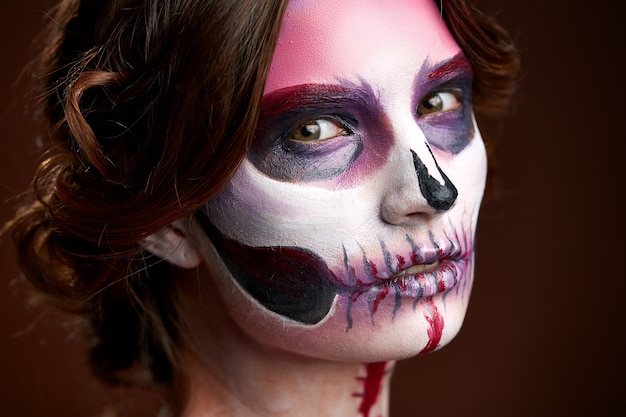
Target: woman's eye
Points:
(437, 103)
(317, 130)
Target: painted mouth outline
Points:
(419, 268)
(445, 262)
(307, 287)
(427, 257)
(441, 275)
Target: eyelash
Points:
(423, 110)
(344, 128)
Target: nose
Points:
(440, 196)
(420, 189)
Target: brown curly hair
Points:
(147, 108)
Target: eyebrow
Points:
(302, 98)
(449, 68)
(306, 96)
(429, 75)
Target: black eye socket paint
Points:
(439, 196)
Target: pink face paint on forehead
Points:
(383, 31)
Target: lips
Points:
(416, 269)
(428, 268)
(427, 280)
(445, 270)
(297, 283)
(417, 281)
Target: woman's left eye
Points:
(317, 130)
(442, 101)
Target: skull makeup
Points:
(347, 232)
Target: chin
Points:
(430, 325)
(419, 327)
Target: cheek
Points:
(431, 324)
(263, 212)
(472, 163)
(449, 132)
(300, 162)
(467, 169)
(259, 211)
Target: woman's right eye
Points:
(317, 130)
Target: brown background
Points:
(545, 329)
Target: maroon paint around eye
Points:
(450, 131)
(346, 158)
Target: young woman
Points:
(258, 206)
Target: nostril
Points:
(405, 206)
(439, 196)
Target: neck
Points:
(231, 374)
(288, 388)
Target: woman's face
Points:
(347, 232)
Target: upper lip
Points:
(416, 269)
(420, 259)
(420, 268)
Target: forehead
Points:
(325, 41)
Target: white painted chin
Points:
(386, 337)
(376, 338)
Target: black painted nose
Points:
(439, 196)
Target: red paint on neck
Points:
(371, 387)
(436, 327)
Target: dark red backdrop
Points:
(545, 329)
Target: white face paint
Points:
(348, 230)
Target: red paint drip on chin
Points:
(436, 327)
(371, 387)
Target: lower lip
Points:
(425, 284)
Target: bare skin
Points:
(233, 375)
